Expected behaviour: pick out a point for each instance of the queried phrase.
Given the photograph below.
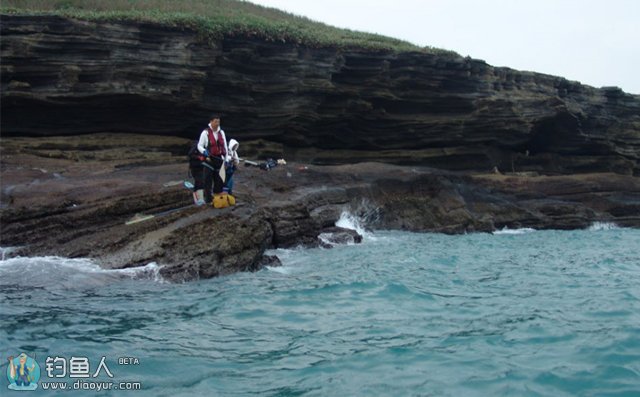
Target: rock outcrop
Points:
(64, 76)
(80, 202)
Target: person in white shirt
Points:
(231, 165)
(213, 146)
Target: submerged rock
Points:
(270, 260)
(331, 237)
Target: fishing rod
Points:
(141, 218)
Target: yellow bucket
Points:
(220, 201)
(223, 200)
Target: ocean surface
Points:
(514, 313)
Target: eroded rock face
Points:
(80, 202)
(64, 76)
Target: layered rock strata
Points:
(64, 76)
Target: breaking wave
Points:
(506, 230)
(47, 271)
(348, 220)
(596, 226)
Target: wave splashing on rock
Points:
(54, 272)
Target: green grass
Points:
(215, 19)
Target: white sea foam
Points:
(597, 226)
(279, 269)
(506, 230)
(149, 271)
(69, 272)
(325, 239)
(290, 258)
(350, 221)
(5, 251)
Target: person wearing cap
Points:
(21, 373)
(213, 146)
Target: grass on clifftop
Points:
(215, 19)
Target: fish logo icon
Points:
(23, 373)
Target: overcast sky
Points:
(596, 42)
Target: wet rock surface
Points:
(330, 237)
(73, 197)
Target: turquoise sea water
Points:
(526, 313)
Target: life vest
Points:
(216, 148)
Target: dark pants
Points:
(22, 381)
(212, 177)
(197, 172)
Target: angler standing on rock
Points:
(232, 164)
(213, 146)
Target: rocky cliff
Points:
(323, 105)
(85, 201)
